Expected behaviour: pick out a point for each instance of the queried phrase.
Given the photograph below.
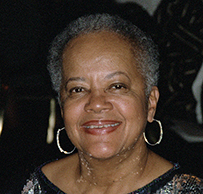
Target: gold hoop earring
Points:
(58, 143)
(160, 136)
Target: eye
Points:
(76, 91)
(118, 87)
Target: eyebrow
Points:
(115, 74)
(75, 79)
(107, 77)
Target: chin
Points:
(102, 153)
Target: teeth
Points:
(101, 126)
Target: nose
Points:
(98, 103)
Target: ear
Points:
(152, 103)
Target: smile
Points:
(98, 127)
(101, 126)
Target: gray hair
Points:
(147, 55)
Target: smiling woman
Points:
(105, 71)
(111, 91)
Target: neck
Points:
(120, 168)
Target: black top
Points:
(170, 182)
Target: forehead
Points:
(99, 48)
(98, 40)
(103, 35)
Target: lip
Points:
(100, 127)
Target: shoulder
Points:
(50, 175)
(174, 179)
(61, 170)
(60, 166)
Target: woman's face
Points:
(104, 103)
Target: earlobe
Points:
(152, 103)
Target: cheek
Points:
(71, 113)
(131, 107)
(134, 113)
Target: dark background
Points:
(27, 29)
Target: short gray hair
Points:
(148, 52)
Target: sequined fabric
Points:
(32, 186)
(171, 182)
(182, 184)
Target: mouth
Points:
(100, 127)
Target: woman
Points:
(105, 71)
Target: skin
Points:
(102, 86)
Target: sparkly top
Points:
(171, 182)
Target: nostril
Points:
(98, 104)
